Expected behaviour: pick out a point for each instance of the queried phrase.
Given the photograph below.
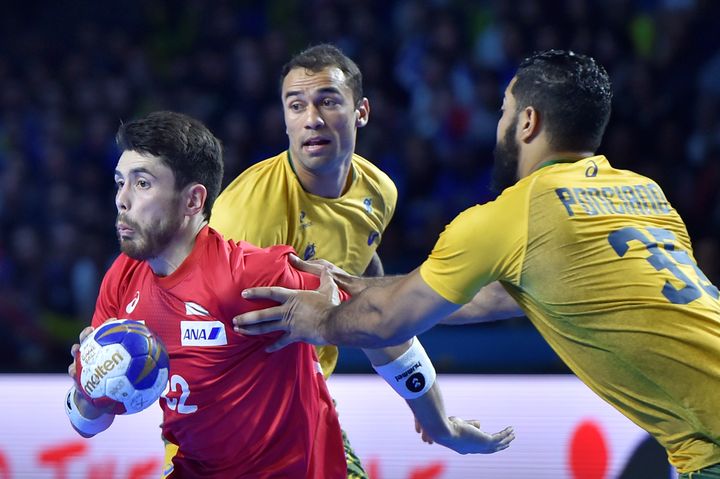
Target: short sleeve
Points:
(271, 267)
(482, 244)
(106, 305)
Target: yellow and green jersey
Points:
(267, 205)
(603, 267)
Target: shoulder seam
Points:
(526, 229)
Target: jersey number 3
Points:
(663, 255)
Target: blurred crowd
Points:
(434, 72)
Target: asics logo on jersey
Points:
(309, 251)
(592, 170)
(131, 305)
(202, 333)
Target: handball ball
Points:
(122, 365)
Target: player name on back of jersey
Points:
(641, 200)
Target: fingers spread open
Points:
(273, 293)
(285, 340)
(259, 316)
(328, 286)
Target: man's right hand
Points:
(299, 314)
(72, 369)
(352, 284)
(86, 408)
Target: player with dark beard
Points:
(595, 256)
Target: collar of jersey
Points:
(193, 259)
(352, 180)
(556, 161)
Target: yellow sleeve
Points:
(251, 209)
(389, 192)
(482, 244)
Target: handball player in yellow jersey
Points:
(328, 202)
(596, 257)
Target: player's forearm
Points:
(363, 322)
(381, 356)
(491, 303)
(357, 284)
(429, 411)
(86, 419)
(385, 316)
(410, 372)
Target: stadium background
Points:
(434, 72)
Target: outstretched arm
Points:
(411, 373)
(376, 317)
(410, 306)
(385, 315)
(491, 303)
(427, 405)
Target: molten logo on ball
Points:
(123, 365)
(101, 371)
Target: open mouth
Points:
(315, 143)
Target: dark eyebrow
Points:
(136, 171)
(331, 89)
(328, 89)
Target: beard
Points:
(505, 165)
(148, 243)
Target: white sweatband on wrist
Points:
(80, 422)
(412, 374)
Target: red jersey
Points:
(233, 409)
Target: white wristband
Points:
(80, 422)
(412, 374)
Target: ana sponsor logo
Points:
(202, 333)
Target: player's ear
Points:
(362, 113)
(528, 124)
(194, 198)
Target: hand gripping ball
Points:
(122, 365)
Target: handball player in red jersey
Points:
(233, 409)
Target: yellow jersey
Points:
(267, 205)
(603, 267)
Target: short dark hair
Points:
(572, 93)
(183, 143)
(325, 55)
